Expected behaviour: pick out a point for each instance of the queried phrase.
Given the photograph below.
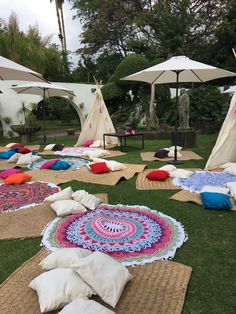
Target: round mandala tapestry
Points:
(14, 197)
(131, 234)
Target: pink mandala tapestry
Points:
(131, 234)
(14, 197)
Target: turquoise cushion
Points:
(60, 165)
(212, 200)
(7, 155)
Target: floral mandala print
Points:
(130, 234)
(14, 197)
(75, 163)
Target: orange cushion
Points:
(17, 178)
(158, 175)
(99, 167)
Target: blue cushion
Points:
(212, 200)
(60, 165)
(7, 155)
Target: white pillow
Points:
(49, 147)
(65, 194)
(232, 188)
(27, 159)
(64, 258)
(14, 158)
(99, 160)
(58, 287)
(179, 148)
(96, 153)
(114, 165)
(96, 144)
(231, 170)
(228, 164)
(181, 173)
(105, 275)
(88, 200)
(168, 168)
(67, 207)
(172, 154)
(85, 306)
(10, 144)
(214, 189)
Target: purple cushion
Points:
(58, 147)
(6, 173)
(48, 164)
(162, 153)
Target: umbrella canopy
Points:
(45, 90)
(10, 70)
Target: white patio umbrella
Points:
(45, 90)
(10, 70)
(179, 69)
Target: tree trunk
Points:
(152, 115)
(59, 25)
(63, 27)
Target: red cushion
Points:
(17, 145)
(99, 167)
(88, 143)
(157, 175)
(17, 178)
(24, 150)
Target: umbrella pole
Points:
(44, 117)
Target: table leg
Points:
(121, 147)
(104, 142)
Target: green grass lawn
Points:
(211, 246)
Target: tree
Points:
(60, 21)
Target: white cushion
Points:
(67, 207)
(105, 275)
(168, 168)
(99, 160)
(49, 147)
(64, 258)
(96, 144)
(10, 144)
(214, 189)
(14, 158)
(231, 170)
(96, 153)
(228, 164)
(115, 165)
(85, 306)
(232, 188)
(58, 287)
(172, 154)
(88, 200)
(27, 159)
(65, 194)
(179, 148)
(181, 173)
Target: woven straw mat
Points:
(186, 155)
(112, 153)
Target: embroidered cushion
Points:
(88, 200)
(68, 207)
(17, 178)
(48, 164)
(7, 155)
(49, 147)
(99, 167)
(158, 175)
(6, 173)
(58, 147)
(88, 143)
(60, 165)
(65, 194)
(162, 153)
(58, 287)
(212, 200)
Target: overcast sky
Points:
(43, 13)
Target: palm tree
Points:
(60, 20)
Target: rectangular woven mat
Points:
(112, 153)
(186, 196)
(156, 288)
(31, 147)
(29, 222)
(186, 155)
(111, 178)
(50, 175)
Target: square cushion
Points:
(168, 168)
(17, 178)
(181, 173)
(14, 158)
(65, 194)
(7, 155)
(58, 287)
(88, 143)
(27, 159)
(115, 165)
(96, 144)
(49, 147)
(85, 306)
(171, 153)
(23, 150)
(60, 165)
(67, 207)
(179, 148)
(158, 175)
(58, 147)
(88, 200)
(162, 153)
(215, 189)
(96, 153)
(231, 170)
(232, 188)
(212, 200)
(105, 275)
(99, 167)
(6, 173)
(48, 164)
(64, 258)
(9, 145)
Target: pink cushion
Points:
(6, 173)
(48, 164)
(88, 143)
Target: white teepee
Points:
(225, 147)
(97, 123)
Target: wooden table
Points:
(121, 136)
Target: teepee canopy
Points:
(97, 123)
(225, 147)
